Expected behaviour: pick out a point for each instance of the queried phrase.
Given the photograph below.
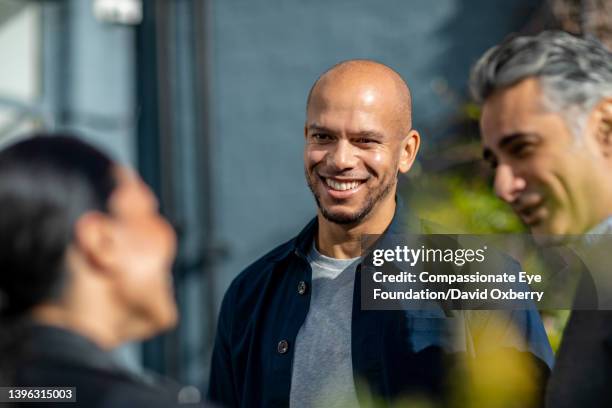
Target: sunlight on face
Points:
(352, 151)
(545, 173)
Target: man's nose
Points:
(508, 185)
(343, 157)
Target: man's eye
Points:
(321, 137)
(365, 140)
(521, 149)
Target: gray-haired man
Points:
(547, 131)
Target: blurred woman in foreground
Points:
(85, 265)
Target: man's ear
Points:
(93, 236)
(603, 130)
(409, 150)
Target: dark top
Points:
(583, 371)
(43, 356)
(394, 352)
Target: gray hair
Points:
(574, 73)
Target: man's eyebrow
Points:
(370, 134)
(318, 128)
(487, 153)
(508, 139)
(373, 134)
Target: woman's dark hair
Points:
(46, 183)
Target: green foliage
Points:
(460, 205)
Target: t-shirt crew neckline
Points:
(329, 263)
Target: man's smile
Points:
(531, 209)
(341, 188)
(342, 185)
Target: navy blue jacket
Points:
(395, 353)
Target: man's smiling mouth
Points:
(532, 215)
(342, 185)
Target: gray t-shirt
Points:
(322, 373)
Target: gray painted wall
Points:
(266, 56)
(100, 81)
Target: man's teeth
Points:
(341, 186)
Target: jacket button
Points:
(302, 287)
(283, 347)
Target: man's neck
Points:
(344, 241)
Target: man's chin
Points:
(342, 217)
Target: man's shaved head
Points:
(359, 136)
(358, 73)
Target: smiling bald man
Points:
(291, 329)
(358, 137)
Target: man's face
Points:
(144, 249)
(548, 176)
(352, 151)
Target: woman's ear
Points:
(93, 237)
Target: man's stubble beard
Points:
(347, 219)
